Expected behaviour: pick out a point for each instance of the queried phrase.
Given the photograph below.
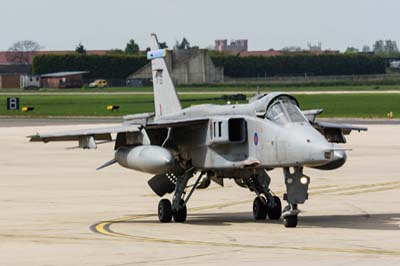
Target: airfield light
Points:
(290, 180)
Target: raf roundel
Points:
(255, 139)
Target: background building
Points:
(70, 79)
(234, 46)
(9, 81)
(192, 66)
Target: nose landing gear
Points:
(296, 193)
(290, 214)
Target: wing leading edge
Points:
(86, 137)
(336, 132)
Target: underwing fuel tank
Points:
(146, 158)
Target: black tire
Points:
(164, 211)
(259, 209)
(180, 216)
(290, 221)
(205, 183)
(275, 212)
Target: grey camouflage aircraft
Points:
(235, 141)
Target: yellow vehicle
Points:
(98, 83)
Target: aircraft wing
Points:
(176, 123)
(312, 114)
(346, 129)
(334, 132)
(86, 137)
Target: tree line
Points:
(99, 66)
(301, 64)
(120, 63)
(120, 67)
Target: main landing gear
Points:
(165, 213)
(266, 204)
(263, 208)
(178, 209)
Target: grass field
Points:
(334, 105)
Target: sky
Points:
(100, 24)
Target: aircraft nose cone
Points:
(306, 146)
(320, 152)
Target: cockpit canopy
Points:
(283, 110)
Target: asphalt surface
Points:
(56, 209)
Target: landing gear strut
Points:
(178, 209)
(296, 193)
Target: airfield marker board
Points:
(13, 104)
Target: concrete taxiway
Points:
(56, 209)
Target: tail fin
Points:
(165, 98)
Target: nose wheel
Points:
(290, 214)
(290, 221)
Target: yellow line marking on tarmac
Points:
(50, 237)
(357, 188)
(371, 190)
(104, 228)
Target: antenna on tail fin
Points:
(165, 98)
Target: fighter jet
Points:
(242, 142)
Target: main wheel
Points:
(275, 212)
(164, 211)
(205, 183)
(180, 216)
(259, 209)
(290, 221)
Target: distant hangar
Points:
(193, 66)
